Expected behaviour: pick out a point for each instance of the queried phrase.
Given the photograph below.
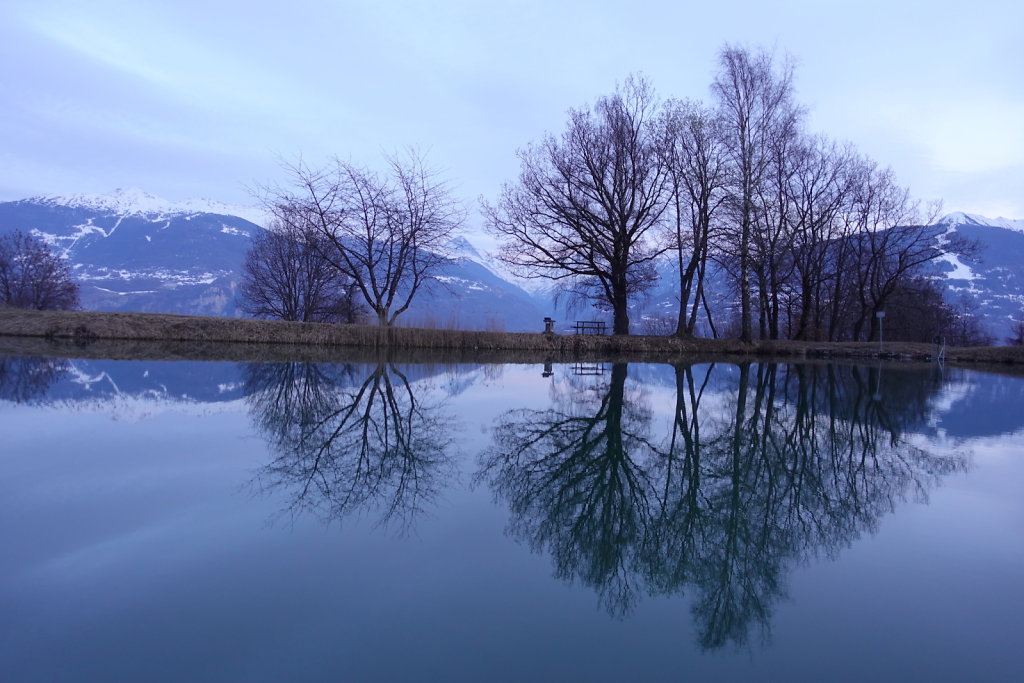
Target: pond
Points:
(294, 521)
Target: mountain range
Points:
(132, 251)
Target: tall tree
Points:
(755, 98)
(820, 188)
(32, 276)
(585, 204)
(891, 244)
(386, 232)
(698, 173)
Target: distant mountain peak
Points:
(462, 247)
(133, 201)
(961, 218)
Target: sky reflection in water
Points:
(296, 521)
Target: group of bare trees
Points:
(815, 238)
(347, 240)
(32, 276)
(286, 277)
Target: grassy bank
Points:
(96, 334)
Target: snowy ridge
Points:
(133, 201)
(961, 218)
(461, 248)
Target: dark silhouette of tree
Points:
(693, 144)
(574, 486)
(890, 245)
(24, 379)
(821, 188)
(755, 98)
(1016, 337)
(31, 276)
(285, 276)
(584, 207)
(384, 232)
(785, 464)
(351, 440)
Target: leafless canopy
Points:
(755, 98)
(31, 276)
(585, 203)
(386, 232)
(286, 277)
(693, 144)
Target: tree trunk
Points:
(620, 320)
(745, 308)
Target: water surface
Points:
(290, 521)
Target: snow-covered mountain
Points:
(132, 251)
(989, 282)
(961, 218)
(136, 202)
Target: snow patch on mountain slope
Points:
(961, 271)
(171, 278)
(961, 218)
(462, 248)
(452, 280)
(133, 201)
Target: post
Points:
(878, 383)
(881, 316)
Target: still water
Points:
(271, 522)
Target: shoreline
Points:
(95, 334)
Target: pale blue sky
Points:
(197, 99)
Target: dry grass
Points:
(153, 335)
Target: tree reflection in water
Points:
(571, 477)
(24, 379)
(764, 467)
(350, 439)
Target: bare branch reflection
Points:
(764, 467)
(25, 379)
(351, 439)
(571, 477)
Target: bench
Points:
(591, 327)
(588, 369)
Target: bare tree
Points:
(1016, 337)
(386, 232)
(32, 276)
(696, 165)
(891, 243)
(286, 277)
(756, 101)
(820, 188)
(585, 204)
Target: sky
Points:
(190, 99)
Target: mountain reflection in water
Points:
(712, 481)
